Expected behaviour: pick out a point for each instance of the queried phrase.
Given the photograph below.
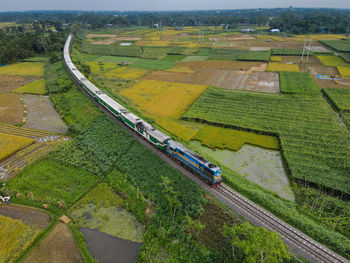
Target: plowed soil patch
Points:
(8, 82)
(229, 75)
(29, 216)
(58, 247)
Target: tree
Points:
(255, 244)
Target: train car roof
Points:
(175, 144)
(160, 136)
(115, 105)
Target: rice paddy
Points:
(344, 71)
(10, 144)
(37, 87)
(277, 67)
(332, 61)
(125, 72)
(24, 68)
(166, 99)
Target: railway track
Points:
(310, 249)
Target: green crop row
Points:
(297, 82)
(339, 97)
(339, 45)
(164, 63)
(286, 52)
(314, 143)
(255, 56)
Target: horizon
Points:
(161, 6)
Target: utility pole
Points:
(306, 50)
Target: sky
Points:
(149, 5)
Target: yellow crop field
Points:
(276, 58)
(182, 129)
(35, 87)
(15, 237)
(10, 144)
(180, 69)
(164, 99)
(7, 24)
(233, 139)
(126, 73)
(24, 68)
(332, 61)
(344, 71)
(156, 43)
(318, 37)
(276, 67)
(98, 67)
(276, 38)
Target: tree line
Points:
(293, 20)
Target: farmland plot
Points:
(10, 82)
(314, 143)
(38, 143)
(263, 82)
(11, 108)
(24, 68)
(340, 98)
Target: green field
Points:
(52, 182)
(255, 56)
(313, 141)
(332, 61)
(340, 98)
(225, 54)
(339, 45)
(286, 52)
(297, 82)
(112, 50)
(165, 63)
(36, 87)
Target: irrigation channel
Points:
(300, 243)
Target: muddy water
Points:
(109, 249)
(261, 166)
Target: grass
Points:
(75, 108)
(277, 67)
(313, 142)
(36, 87)
(15, 237)
(233, 139)
(24, 68)
(339, 97)
(297, 82)
(255, 56)
(52, 182)
(164, 99)
(332, 61)
(125, 72)
(344, 71)
(10, 144)
(165, 63)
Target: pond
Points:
(261, 166)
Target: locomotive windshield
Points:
(211, 165)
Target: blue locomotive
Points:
(207, 170)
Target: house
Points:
(275, 30)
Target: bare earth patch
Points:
(321, 70)
(223, 74)
(33, 217)
(10, 82)
(263, 82)
(42, 115)
(11, 108)
(58, 247)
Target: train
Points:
(198, 165)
